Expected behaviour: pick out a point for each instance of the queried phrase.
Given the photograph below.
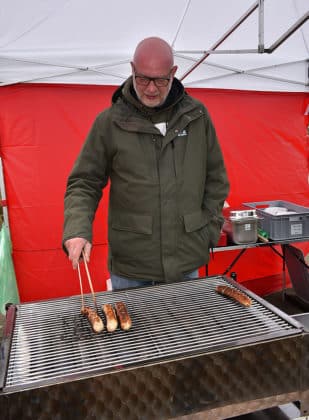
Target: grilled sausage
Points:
(111, 319)
(234, 294)
(93, 318)
(123, 316)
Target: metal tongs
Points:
(89, 281)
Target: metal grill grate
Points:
(53, 343)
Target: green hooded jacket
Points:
(166, 191)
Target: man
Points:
(158, 148)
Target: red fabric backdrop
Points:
(42, 127)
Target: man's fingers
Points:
(87, 251)
(75, 247)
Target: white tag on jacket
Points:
(162, 127)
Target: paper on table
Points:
(278, 211)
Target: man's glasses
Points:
(158, 81)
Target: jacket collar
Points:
(127, 93)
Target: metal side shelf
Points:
(271, 244)
(233, 247)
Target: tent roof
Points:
(62, 41)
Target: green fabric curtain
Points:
(8, 286)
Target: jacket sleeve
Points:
(216, 184)
(85, 183)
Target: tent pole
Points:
(3, 199)
(261, 26)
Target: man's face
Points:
(152, 87)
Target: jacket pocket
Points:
(193, 241)
(131, 242)
(137, 223)
(214, 229)
(194, 221)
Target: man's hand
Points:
(75, 246)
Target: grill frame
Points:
(141, 296)
(215, 384)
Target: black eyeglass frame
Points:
(142, 80)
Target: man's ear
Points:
(174, 69)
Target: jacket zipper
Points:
(174, 157)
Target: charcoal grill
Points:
(189, 351)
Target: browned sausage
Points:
(234, 294)
(111, 319)
(93, 318)
(123, 316)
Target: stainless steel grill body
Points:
(189, 349)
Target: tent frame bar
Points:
(249, 72)
(288, 33)
(269, 50)
(222, 39)
(244, 51)
(261, 27)
(262, 76)
(261, 48)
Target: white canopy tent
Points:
(238, 44)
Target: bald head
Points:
(153, 71)
(152, 55)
